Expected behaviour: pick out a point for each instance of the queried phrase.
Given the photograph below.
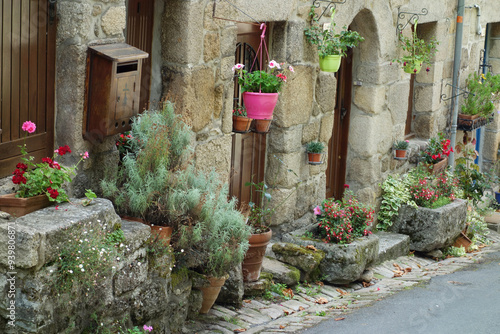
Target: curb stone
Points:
(302, 312)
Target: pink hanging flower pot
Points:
(260, 105)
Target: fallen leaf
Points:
(282, 326)
(288, 293)
(301, 308)
(286, 312)
(419, 266)
(248, 301)
(342, 293)
(311, 247)
(307, 299)
(407, 270)
(240, 330)
(338, 319)
(320, 283)
(321, 300)
(366, 284)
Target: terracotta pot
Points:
(314, 158)
(211, 293)
(438, 167)
(262, 125)
(330, 63)
(400, 154)
(241, 123)
(163, 232)
(252, 264)
(260, 105)
(463, 241)
(18, 207)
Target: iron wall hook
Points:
(402, 16)
(331, 4)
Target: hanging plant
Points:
(331, 46)
(416, 52)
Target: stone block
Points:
(113, 21)
(435, 74)
(375, 74)
(283, 169)
(282, 273)
(135, 234)
(392, 246)
(363, 126)
(431, 229)
(490, 145)
(295, 102)
(75, 22)
(295, 41)
(397, 101)
(326, 128)
(130, 276)
(370, 98)
(233, 289)
(211, 46)
(342, 264)
(299, 256)
(285, 140)
(259, 287)
(424, 125)
(326, 88)
(215, 153)
(427, 97)
(228, 41)
(283, 200)
(310, 132)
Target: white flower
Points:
(113, 267)
(83, 270)
(81, 266)
(51, 270)
(117, 259)
(238, 67)
(273, 64)
(70, 271)
(291, 69)
(182, 250)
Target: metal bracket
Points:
(402, 16)
(463, 92)
(317, 4)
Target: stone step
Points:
(282, 273)
(392, 246)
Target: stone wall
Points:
(140, 288)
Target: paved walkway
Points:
(318, 303)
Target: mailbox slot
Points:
(113, 89)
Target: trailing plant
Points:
(477, 229)
(394, 194)
(431, 191)
(327, 41)
(453, 251)
(315, 147)
(343, 221)
(416, 51)
(401, 144)
(437, 149)
(265, 81)
(484, 92)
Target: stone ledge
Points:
(392, 245)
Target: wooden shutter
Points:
(27, 73)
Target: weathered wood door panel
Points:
(140, 34)
(27, 74)
(249, 150)
(338, 145)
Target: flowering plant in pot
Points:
(401, 146)
(331, 45)
(241, 123)
(416, 51)
(341, 221)
(437, 152)
(314, 150)
(38, 180)
(261, 87)
(484, 92)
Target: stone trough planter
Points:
(431, 229)
(342, 264)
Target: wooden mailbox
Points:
(113, 89)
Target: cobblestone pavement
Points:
(310, 307)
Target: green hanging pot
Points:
(330, 63)
(412, 68)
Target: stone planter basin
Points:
(431, 229)
(342, 263)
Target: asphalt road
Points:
(467, 301)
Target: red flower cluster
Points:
(18, 177)
(53, 192)
(427, 191)
(282, 76)
(438, 149)
(62, 150)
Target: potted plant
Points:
(435, 156)
(331, 46)
(261, 87)
(314, 150)
(400, 147)
(480, 102)
(416, 51)
(38, 184)
(241, 123)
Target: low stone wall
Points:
(139, 289)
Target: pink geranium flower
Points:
(317, 210)
(29, 127)
(273, 64)
(147, 328)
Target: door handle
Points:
(343, 112)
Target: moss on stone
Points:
(292, 249)
(179, 276)
(294, 273)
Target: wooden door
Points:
(27, 74)
(140, 34)
(249, 149)
(338, 145)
